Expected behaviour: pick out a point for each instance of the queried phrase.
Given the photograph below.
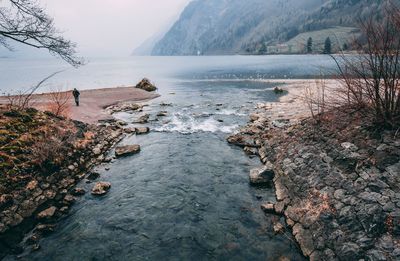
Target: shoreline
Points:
(335, 184)
(36, 198)
(30, 209)
(92, 102)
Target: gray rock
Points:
(304, 237)
(382, 147)
(69, 199)
(389, 207)
(101, 188)
(262, 175)
(47, 213)
(67, 182)
(127, 150)
(369, 196)
(268, 207)
(281, 191)
(386, 242)
(340, 194)
(279, 207)
(11, 218)
(143, 119)
(254, 117)
(241, 140)
(349, 251)
(250, 151)
(366, 242)
(27, 208)
(142, 130)
(278, 228)
(130, 130)
(146, 85)
(96, 151)
(376, 255)
(45, 228)
(349, 146)
(64, 209)
(329, 254)
(162, 114)
(396, 252)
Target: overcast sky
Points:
(112, 27)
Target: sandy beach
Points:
(92, 102)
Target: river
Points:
(186, 196)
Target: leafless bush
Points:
(371, 79)
(51, 149)
(23, 100)
(60, 104)
(314, 97)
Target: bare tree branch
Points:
(372, 77)
(24, 21)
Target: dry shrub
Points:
(23, 100)
(315, 97)
(52, 148)
(60, 103)
(19, 101)
(371, 79)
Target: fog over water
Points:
(107, 28)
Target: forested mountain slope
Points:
(237, 26)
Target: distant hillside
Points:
(147, 46)
(238, 27)
(339, 37)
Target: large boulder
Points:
(263, 175)
(242, 141)
(146, 85)
(142, 130)
(162, 114)
(143, 119)
(127, 150)
(101, 188)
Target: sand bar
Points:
(92, 102)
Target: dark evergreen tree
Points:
(309, 45)
(328, 46)
(263, 49)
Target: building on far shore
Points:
(280, 49)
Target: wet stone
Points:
(47, 213)
(262, 175)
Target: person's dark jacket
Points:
(76, 93)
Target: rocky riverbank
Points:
(42, 158)
(337, 183)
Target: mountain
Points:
(147, 46)
(260, 26)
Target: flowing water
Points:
(186, 195)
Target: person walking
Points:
(76, 94)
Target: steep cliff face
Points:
(236, 26)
